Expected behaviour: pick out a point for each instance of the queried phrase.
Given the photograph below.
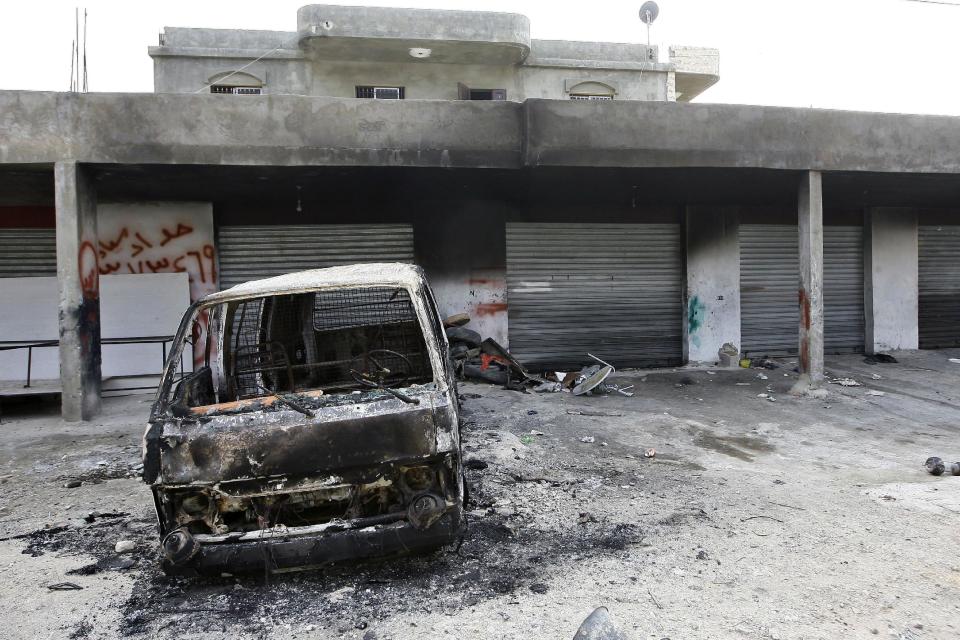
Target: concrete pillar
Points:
(810, 225)
(713, 281)
(78, 272)
(891, 288)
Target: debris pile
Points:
(477, 358)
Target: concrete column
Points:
(891, 288)
(78, 272)
(713, 281)
(810, 225)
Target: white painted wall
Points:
(713, 281)
(130, 306)
(160, 237)
(480, 293)
(891, 290)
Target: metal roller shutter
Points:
(769, 273)
(843, 322)
(939, 283)
(28, 253)
(251, 252)
(769, 281)
(613, 290)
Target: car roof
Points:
(386, 274)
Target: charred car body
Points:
(323, 425)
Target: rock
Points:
(72, 484)
(531, 412)
(650, 453)
(475, 464)
(539, 587)
(846, 382)
(702, 555)
(457, 320)
(588, 439)
(874, 392)
(934, 465)
(125, 546)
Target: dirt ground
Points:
(757, 518)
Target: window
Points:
(488, 94)
(380, 93)
(245, 91)
(466, 93)
(579, 89)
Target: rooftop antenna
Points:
(648, 13)
(78, 54)
(73, 54)
(85, 88)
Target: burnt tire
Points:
(467, 336)
(459, 350)
(179, 547)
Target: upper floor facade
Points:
(387, 53)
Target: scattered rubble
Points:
(485, 360)
(936, 466)
(125, 546)
(846, 382)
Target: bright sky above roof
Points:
(874, 55)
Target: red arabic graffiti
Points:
(156, 247)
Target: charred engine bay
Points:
(531, 511)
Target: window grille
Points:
(314, 341)
(585, 96)
(247, 91)
(380, 93)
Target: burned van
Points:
(322, 425)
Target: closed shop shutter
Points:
(843, 289)
(939, 274)
(770, 281)
(613, 290)
(28, 253)
(769, 277)
(250, 252)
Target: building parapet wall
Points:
(44, 127)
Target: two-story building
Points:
(561, 193)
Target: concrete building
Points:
(647, 232)
(421, 54)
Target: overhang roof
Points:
(204, 129)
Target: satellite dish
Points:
(649, 12)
